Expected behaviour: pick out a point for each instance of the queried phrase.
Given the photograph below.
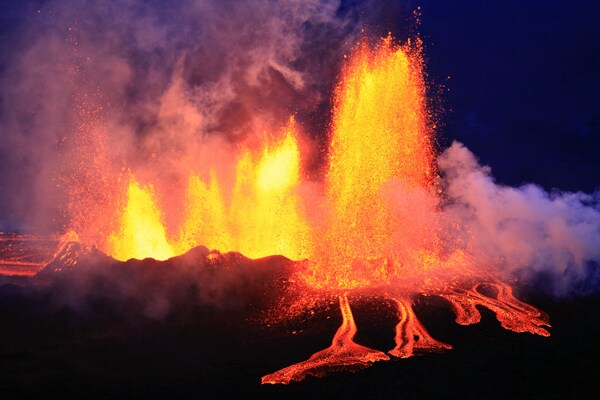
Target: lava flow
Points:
(343, 354)
(411, 335)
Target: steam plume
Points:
(550, 238)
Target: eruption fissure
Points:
(374, 223)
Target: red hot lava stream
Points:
(343, 354)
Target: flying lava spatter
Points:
(262, 216)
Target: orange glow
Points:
(411, 335)
(512, 314)
(381, 231)
(141, 232)
(205, 219)
(261, 217)
(375, 221)
(264, 215)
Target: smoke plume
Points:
(551, 239)
(92, 88)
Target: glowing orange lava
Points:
(264, 215)
(260, 215)
(381, 232)
(141, 232)
(411, 335)
(512, 314)
(380, 150)
(343, 354)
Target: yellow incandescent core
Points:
(141, 232)
(379, 141)
(260, 215)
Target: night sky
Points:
(523, 92)
(520, 83)
(519, 80)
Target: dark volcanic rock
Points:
(200, 325)
(77, 278)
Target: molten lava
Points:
(512, 314)
(141, 233)
(411, 335)
(381, 232)
(260, 216)
(380, 149)
(343, 354)
(264, 215)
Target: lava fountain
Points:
(261, 215)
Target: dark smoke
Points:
(157, 289)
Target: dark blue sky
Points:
(524, 87)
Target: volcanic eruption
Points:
(372, 213)
(379, 227)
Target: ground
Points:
(103, 346)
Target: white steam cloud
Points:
(550, 238)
